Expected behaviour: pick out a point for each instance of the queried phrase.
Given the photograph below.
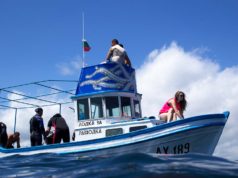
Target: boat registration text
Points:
(176, 149)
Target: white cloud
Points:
(209, 89)
(65, 69)
(71, 67)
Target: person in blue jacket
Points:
(37, 129)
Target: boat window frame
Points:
(87, 111)
(122, 112)
(101, 102)
(134, 99)
(118, 104)
(139, 127)
(134, 106)
(113, 129)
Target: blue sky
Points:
(39, 37)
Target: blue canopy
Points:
(106, 77)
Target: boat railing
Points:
(26, 98)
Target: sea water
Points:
(135, 165)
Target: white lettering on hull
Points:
(90, 132)
(89, 123)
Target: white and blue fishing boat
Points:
(109, 121)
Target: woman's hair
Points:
(182, 103)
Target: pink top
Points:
(167, 106)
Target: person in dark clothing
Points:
(61, 129)
(13, 138)
(3, 135)
(37, 129)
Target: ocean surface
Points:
(130, 165)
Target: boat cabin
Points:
(107, 102)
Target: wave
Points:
(136, 165)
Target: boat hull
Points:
(198, 134)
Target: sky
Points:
(183, 45)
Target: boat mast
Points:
(83, 39)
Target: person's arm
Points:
(109, 54)
(42, 128)
(48, 129)
(181, 113)
(177, 112)
(18, 143)
(127, 60)
(49, 125)
(32, 124)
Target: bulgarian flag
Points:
(86, 46)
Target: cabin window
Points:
(83, 109)
(112, 106)
(126, 106)
(137, 108)
(137, 128)
(113, 132)
(96, 108)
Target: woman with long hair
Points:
(174, 108)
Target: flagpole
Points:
(83, 39)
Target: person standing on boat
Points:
(3, 134)
(12, 139)
(37, 129)
(174, 108)
(118, 54)
(61, 129)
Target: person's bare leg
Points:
(170, 115)
(163, 117)
(174, 117)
